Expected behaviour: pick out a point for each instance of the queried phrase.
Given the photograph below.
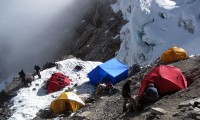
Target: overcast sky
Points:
(32, 31)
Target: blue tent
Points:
(111, 71)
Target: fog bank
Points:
(34, 31)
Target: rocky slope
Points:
(176, 106)
(96, 38)
(110, 107)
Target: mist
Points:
(35, 31)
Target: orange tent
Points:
(174, 54)
(74, 101)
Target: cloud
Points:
(34, 31)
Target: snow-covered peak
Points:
(156, 25)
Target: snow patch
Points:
(166, 4)
(31, 99)
(115, 37)
(106, 31)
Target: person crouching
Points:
(101, 88)
(151, 94)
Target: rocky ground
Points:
(176, 106)
(96, 38)
(6, 96)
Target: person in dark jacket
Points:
(126, 94)
(37, 71)
(22, 75)
(151, 94)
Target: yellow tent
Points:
(59, 105)
(174, 54)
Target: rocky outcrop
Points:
(96, 38)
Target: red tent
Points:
(56, 82)
(166, 78)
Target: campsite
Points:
(110, 106)
(153, 45)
